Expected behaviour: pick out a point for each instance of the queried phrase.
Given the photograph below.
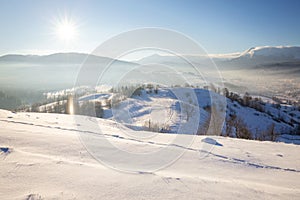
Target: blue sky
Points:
(220, 26)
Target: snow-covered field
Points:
(43, 156)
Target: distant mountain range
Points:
(57, 71)
(270, 58)
(252, 56)
(58, 58)
(268, 55)
(283, 52)
(254, 68)
(283, 57)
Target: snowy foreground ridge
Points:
(42, 157)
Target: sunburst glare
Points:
(66, 29)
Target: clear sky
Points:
(220, 26)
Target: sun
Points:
(66, 29)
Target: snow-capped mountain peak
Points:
(283, 52)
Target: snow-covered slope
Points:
(42, 157)
(166, 110)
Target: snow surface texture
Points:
(42, 157)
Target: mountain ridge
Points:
(68, 57)
(285, 53)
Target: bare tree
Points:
(188, 109)
(241, 128)
(216, 120)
